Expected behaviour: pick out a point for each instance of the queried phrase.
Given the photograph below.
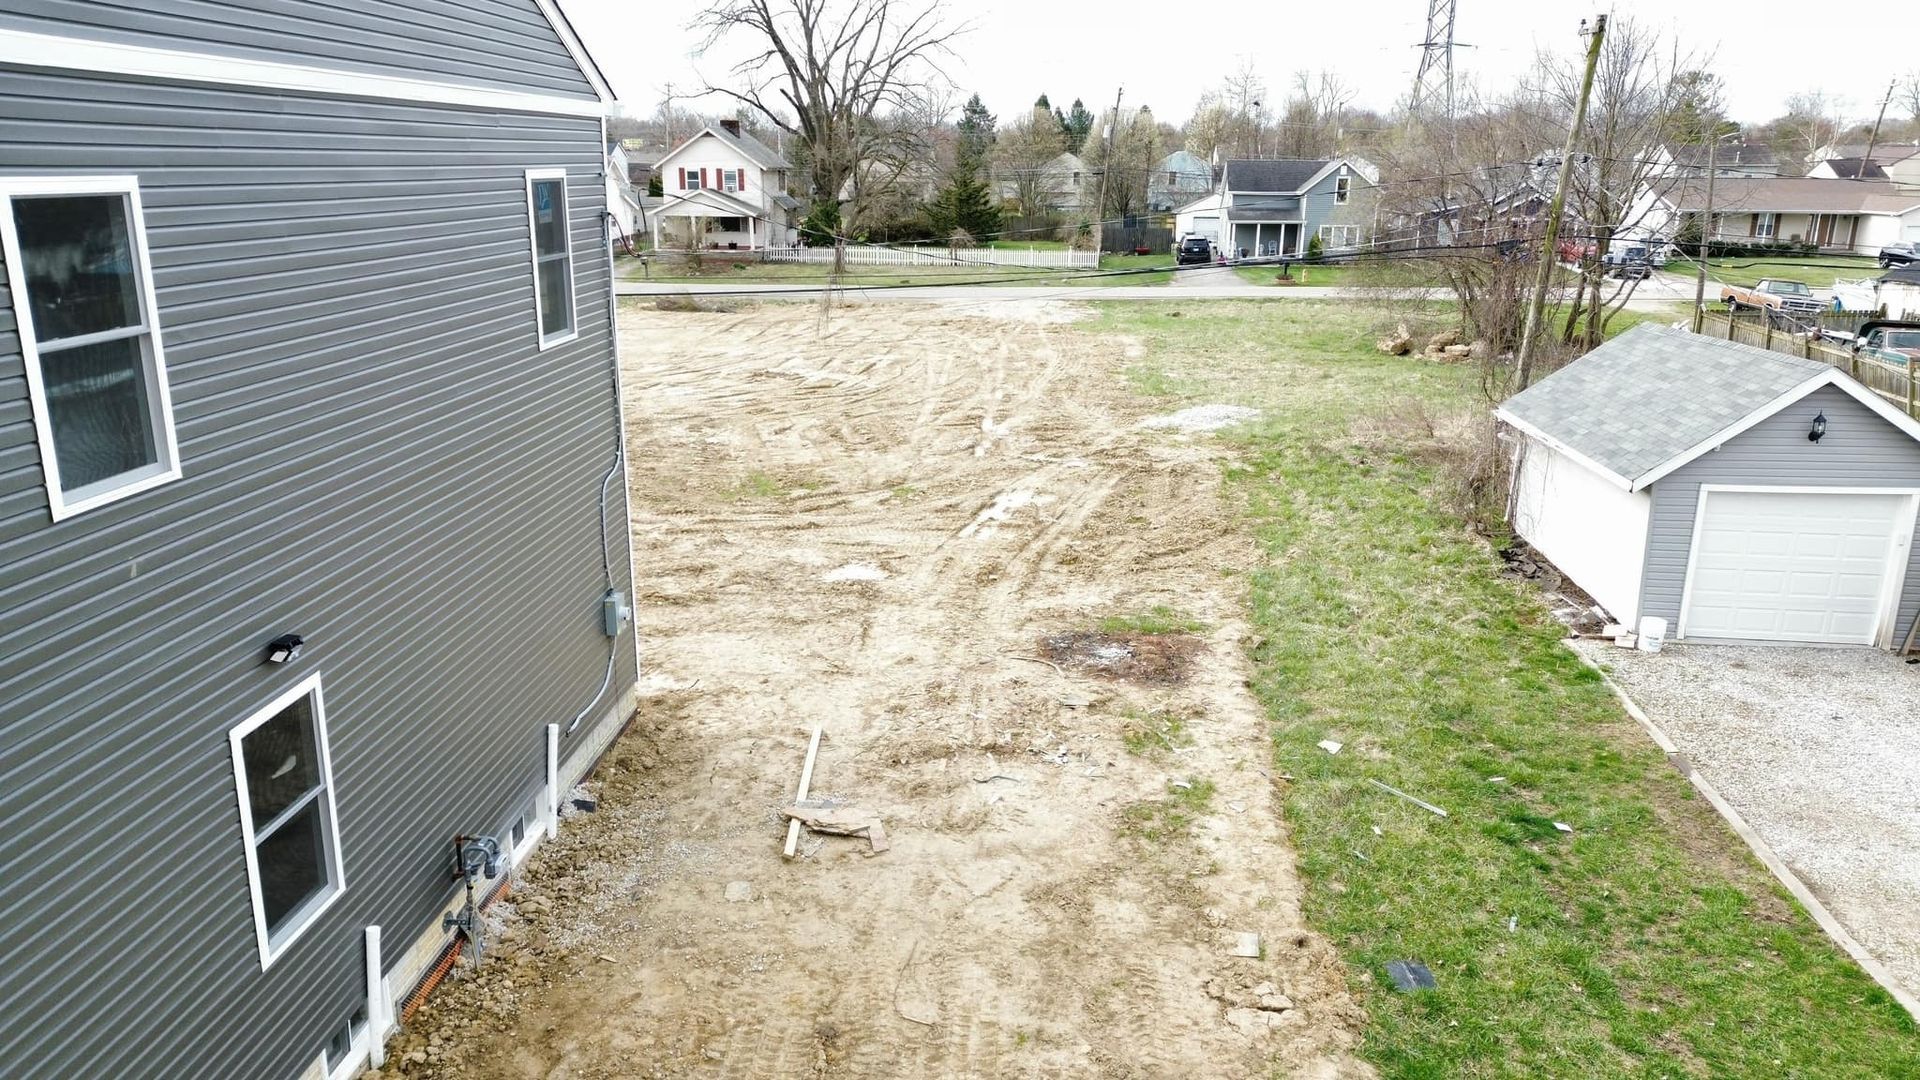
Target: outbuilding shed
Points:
(1739, 493)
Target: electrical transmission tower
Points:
(1434, 83)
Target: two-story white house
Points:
(723, 188)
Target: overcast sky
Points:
(1165, 55)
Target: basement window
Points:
(552, 255)
(82, 291)
(284, 778)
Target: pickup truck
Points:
(1889, 342)
(1773, 294)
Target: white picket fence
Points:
(927, 255)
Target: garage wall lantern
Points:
(284, 648)
(1819, 428)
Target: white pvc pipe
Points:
(379, 1009)
(553, 780)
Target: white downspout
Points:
(553, 780)
(379, 1005)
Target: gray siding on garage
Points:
(505, 44)
(376, 456)
(1860, 450)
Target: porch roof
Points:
(707, 202)
(1265, 215)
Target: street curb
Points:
(1824, 918)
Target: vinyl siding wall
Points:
(1591, 528)
(504, 44)
(1859, 450)
(1319, 209)
(378, 457)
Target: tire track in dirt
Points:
(991, 472)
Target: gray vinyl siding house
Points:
(1274, 208)
(1736, 493)
(374, 430)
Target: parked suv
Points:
(1902, 254)
(1194, 249)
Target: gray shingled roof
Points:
(1289, 174)
(1853, 168)
(1652, 393)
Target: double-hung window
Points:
(552, 255)
(82, 291)
(1763, 225)
(284, 778)
(1342, 186)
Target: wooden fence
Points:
(929, 255)
(1891, 381)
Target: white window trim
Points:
(1342, 187)
(166, 442)
(359, 1050)
(1898, 548)
(533, 257)
(336, 868)
(1765, 224)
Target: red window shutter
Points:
(683, 178)
(703, 179)
(743, 179)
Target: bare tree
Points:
(1209, 131)
(1022, 153)
(1311, 122)
(1125, 160)
(1637, 106)
(832, 73)
(1244, 92)
(1812, 121)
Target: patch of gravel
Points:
(1819, 749)
(1202, 418)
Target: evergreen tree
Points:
(1076, 125)
(976, 137)
(964, 205)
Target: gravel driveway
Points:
(1819, 749)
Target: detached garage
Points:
(1738, 493)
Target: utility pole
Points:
(1875, 137)
(1100, 202)
(1706, 233)
(1555, 209)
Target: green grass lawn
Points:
(1645, 943)
(1377, 273)
(1817, 271)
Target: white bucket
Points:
(1653, 633)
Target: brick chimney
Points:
(732, 126)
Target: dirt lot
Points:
(940, 533)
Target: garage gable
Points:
(1775, 536)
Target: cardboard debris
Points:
(1330, 746)
(1246, 944)
(1563, 826)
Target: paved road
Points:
(1649, 295)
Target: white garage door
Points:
(1794, 566)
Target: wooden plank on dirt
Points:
(806, 781)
